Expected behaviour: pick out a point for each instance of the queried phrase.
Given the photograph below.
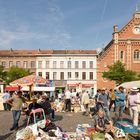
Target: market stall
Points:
(30, 81)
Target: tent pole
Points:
(30, 91)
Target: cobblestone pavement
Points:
(67, 121)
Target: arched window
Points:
(136, 55)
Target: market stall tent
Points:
(30, 81)
(26, 88)
(131, 84)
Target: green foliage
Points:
(15, 73)
(119, 74)
(3, 73)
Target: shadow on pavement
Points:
(58, 118)
(3, 137)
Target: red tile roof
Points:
(51, 52)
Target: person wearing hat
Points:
(34, 104)
(132, 105)
(16, 102)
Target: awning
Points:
(72, 85)
(12, 88)
(87, 85)
(26, 88)
(83, 85)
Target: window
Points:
(69, 64)
(47, 75)
(83, 75)
(76, 75)
(17, 63)
(47, 64)
(54, 64)
(40, 74)
(39, 64)
(32, 64)
(54, 75)
(25, 64)
(121, 55)
(91, 64)
(61, 64)
(91, 75)
(83, 64)
(69, 75)
(3, 63)
(76, 64)
(61, 75)
(136, 55)
(10, 64)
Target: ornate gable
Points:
(132, 29)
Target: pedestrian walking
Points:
(132, 104)
(112, 99)
(102, 100)
(85, 102)
(5, 97)
(120, 102)
(16, 103)
(67, 100)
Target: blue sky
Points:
(61, 24)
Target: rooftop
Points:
(47, 52)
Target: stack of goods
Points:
(28, 133)
(84, 131)
(58, 106)
(97, 136)
(32, 132)
(119, 134)
(69, 136)
(127, 127)
(92, 103)
(76, 107)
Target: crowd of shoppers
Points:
(106, 101)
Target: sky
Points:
(61, 24)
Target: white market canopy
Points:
(26, 88)
(130, 84)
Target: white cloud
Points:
(48, 28)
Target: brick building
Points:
(20, 58)
(124, 46)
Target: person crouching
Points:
(102, 123)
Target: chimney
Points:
(11, 50)
(39, 50)
(115, 28)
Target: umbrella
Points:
(29, 81)
(131, 84)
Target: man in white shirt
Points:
(85, 102)
(67, 100)
(5, 97)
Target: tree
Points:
(119, 74)
(16, 73)
(3, 73)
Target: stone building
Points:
(64, 68)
